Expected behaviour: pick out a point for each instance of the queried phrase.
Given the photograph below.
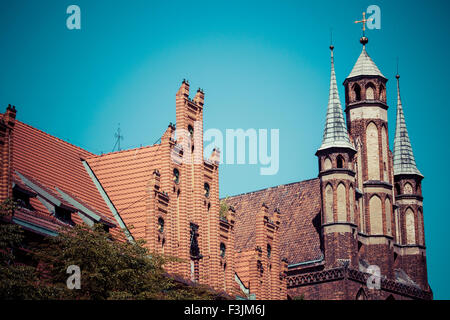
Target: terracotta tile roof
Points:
(53, 164)
(299, 204)
(124, 175)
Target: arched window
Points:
(269, 250)
(329, 203)
(206, 186)
(397, 189)
(410, 227)
(388, 210)
(340, 162)
(370, 92)
(373, 156)
(376, 216)
(420, 227)
(160, 224)
(361, 295)
(327, 164)
(341, 203)
(357, 92)
(407, 188)
(382, 94)
(351, 197)
(384, 152)
(223, 249)
(191, 130)
(176, 176)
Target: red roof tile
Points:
(53, 163)
(299, 204)
(124, 175)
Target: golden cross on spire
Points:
(363, 21)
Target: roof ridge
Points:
(277, 186)
(122, 151)
(55, 137)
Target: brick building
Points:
(314, 239)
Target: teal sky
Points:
(262, 65)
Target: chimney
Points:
(7, 122)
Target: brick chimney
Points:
(7, 122)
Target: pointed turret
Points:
(335, 133)
(365, 66)
(404, 162)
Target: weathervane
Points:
(364, 39)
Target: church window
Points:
(410, 227)
(327, 164)
(373, 156)
(357, 92)
(329, 203)
(191, 130)
(361, 295)
(407, 189)
(160, 224)
(397, 189)
(340, 162)
(370, 92)
(351, 196)
(269, 250)
(223, 249)
(341, 203)
(382, 94)
(206, 186)
(376, 217)
(176, 176)
(388, 210)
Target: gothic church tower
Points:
(337, 184)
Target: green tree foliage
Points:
(109, 269)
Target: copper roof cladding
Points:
(299, 204)
(124, 175)
(53, 163)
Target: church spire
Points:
(404, 162)
(335, 133)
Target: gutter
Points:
(290, 266)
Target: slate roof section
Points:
(124, 176)
(299, 204)
(335, 133)
(365, 66)
(52, 164)
(404, 161)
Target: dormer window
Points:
(63, 214)
(22, 198)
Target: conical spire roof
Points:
(335, 133)
(404, 162)
(365, 66)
